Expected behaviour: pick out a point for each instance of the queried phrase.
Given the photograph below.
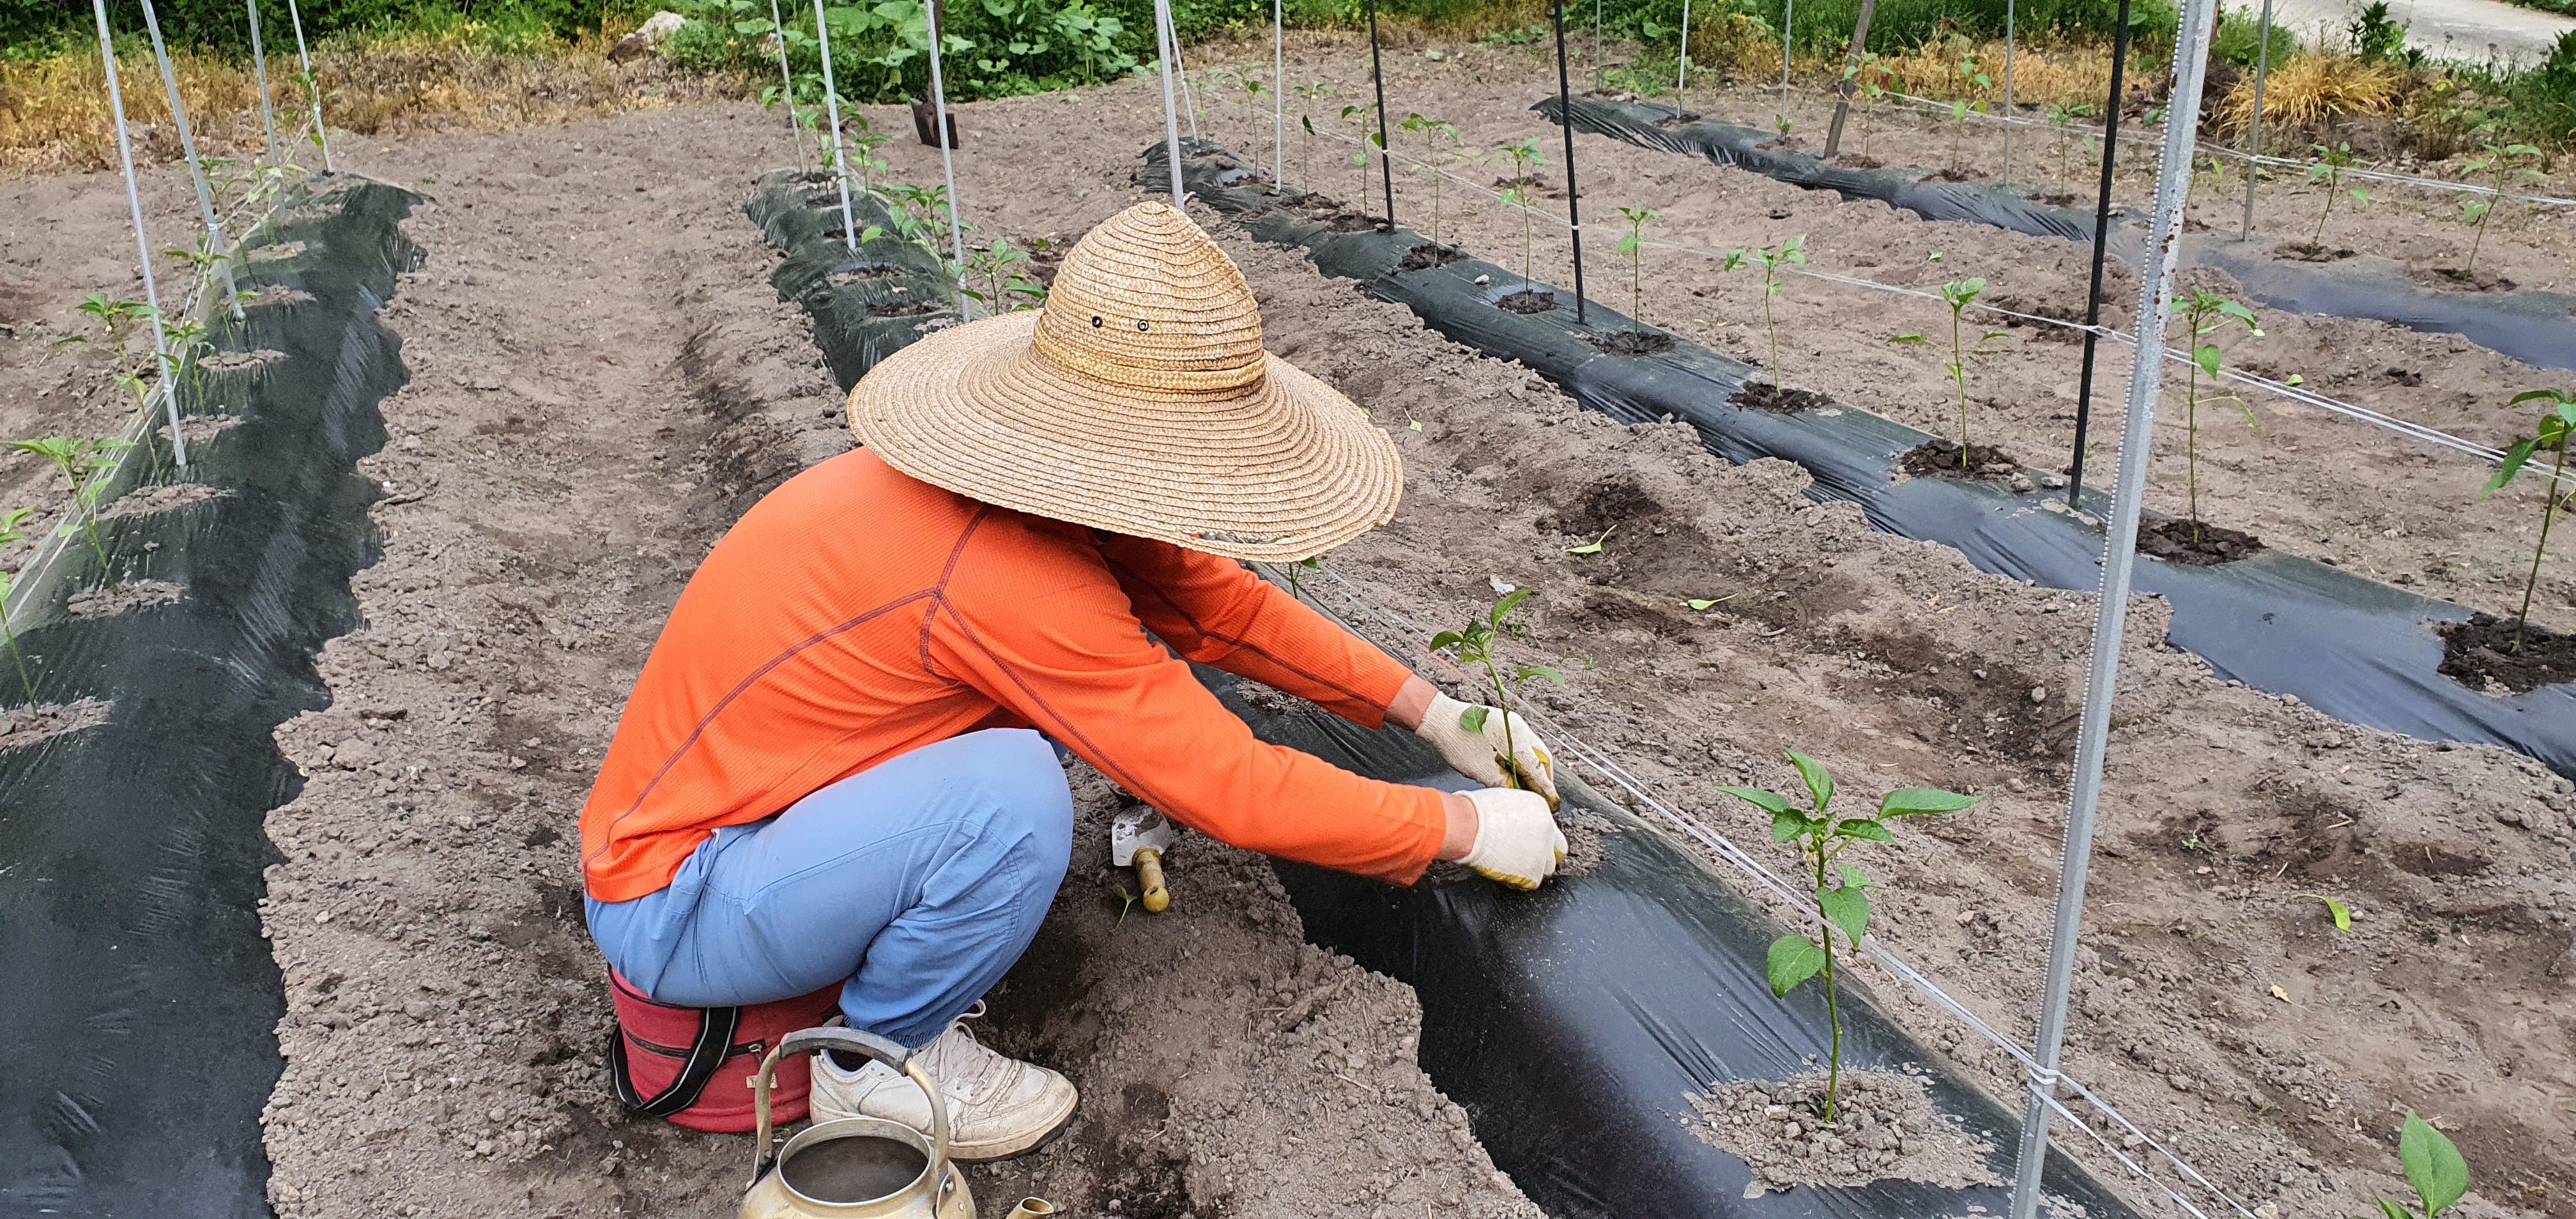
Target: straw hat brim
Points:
(1283, 470)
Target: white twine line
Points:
(2046, 1079)
(2238, 154)
(2381, 419)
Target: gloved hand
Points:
(1517, 841)
(1477, 753)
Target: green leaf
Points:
(2390, 1210)
(1766, 801)
(1819, 783)
(2207, 358)
(1699, 604)
(1593, 546)
(1530, 671)
(1787, 826)
(2342, 913)
(1446, 640)
(1473, 719)
(1793, 960)
(1847, 908)
(2506, 470)
(1863, 827)
(1907, 801)
(1853, 878)
(1906, 338)
(2433, 1165)
(1510, 601)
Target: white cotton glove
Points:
(1478, 754)
(1517, 842)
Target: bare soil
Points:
(2487, 650)
(1883, 1126)
(2202, 545)
(25, 727)
(602, 380)
(1943, 458)
(1764, 396)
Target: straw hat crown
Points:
(1146, 301)
(1138, 400)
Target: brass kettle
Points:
(854, 1167)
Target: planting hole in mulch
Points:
(2456, 280)
(1527, 300)
(903, 309)
(2480, 654)
(2202, 545)
(1764, 396)
(2300, 251)
(1885, 1127)
(1428, 255)
(1853, 160)
(1631, 342)
(863, 273)
(1939, 458)
(1683, 119)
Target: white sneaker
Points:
(997, 1106)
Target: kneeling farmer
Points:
(831, 768)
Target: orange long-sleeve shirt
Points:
(855, 614)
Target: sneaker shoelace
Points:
(967, 1068)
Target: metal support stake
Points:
(1788, 24)
(259, 76)
(1851, 78)
(142, 245)
(2146, 374)
(312, 85)
(1600, 69)
(947, 155)
(832, 109)
(1386, 166)
(787, 85)
(1278, 97)
(2101, 250)
(2254, 140)
(2008, 90)
(1681, 77)
(196, 168)
(1573, 208)
(1172, 34)
(1163, 41)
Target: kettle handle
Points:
(804, 1041)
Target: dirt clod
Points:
(1940, 458)
(1764, 396)
(2200, 545)
(1885, 1126)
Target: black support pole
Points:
(2101, 248)
(1573, 209)
(1386, 166)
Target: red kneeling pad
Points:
(693, 1065)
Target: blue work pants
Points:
(916, 883)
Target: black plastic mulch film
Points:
(140, 1003)
(1572, 1022)
(2355, 649)
(2537, 328)
(866, 303)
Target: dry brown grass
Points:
(54, 114)
(2069, 75)
(2312, 88)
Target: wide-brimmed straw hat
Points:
(1138, 400)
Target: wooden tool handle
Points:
(1149, 876)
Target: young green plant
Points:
(1841, 889)
(9, 522)
(1006, 287)
(1634, 246)
(84, 463)
(1358, 118)
(1970, 75)
(1308, 95)
(2434, 1169)
(1432, 130)
(1475, 645)
(1523, 155)
(1958, 295)
(2329, 169)
(1790, 252)
(2062, 118)
(2499, 158)
(2204, 313)
(2557, 431)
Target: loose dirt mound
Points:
(1885, 1126)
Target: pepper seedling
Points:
(2062, 119)
(2498, 157)
(1432, 129)
(2557, 431)
(1841, 890)
(2203, 313)
(1358, 118)
(1969, 74)
(9, 522)
(2329, 169)
(1475, 645)
(2434, 1169)
(1790, 252)
(1007, 288)
(1958, 295)
(1523, 155)
(84, 464)
(1308, 95)
(1634, 246)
